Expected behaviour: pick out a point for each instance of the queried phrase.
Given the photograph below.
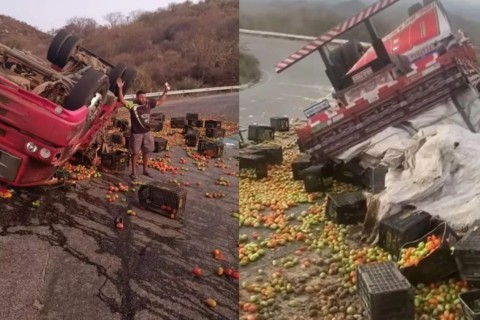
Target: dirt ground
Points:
(65, 259)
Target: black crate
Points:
(191, 116)
(280, 124)
(346, 208)
(212, 149)
(160, 144)
(401, 228)
(301, 163)
(177, 123)
(118, 138)
(255, 162)
(191, 131)
(122, 124)
(274, 154)
(215, 133)
(260, 133)
(213, 124)
(158, 117)
(439, 264)
(470, 302)
(315, 183)
(384, 292)
(115, 161)
(350, 172)
(374, 179)
(165, 199)
(467, 257)
(191, 141)
(195, 123)
(301, 147)
(156, 125)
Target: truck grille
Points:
(9, 165)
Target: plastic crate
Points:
(213, 149)
(191, 138)
(191, 116)
(374, 179)
(301, 146)
(177, 123)
(195, 123)
(314, 183)
(213, 124)
(215, 133)
(118, 138)
(191, 131)
(156, 125)
(470, 302)
(437, 265)
(121, 124)
(160, 144)
(158, 116)
(384, 292)
(467, 257)
(280, 124)
(165, 199)
(403, 227)
(350, 172)
(115, 161)
(255, 162)
(346, 208)
(274, 154)
(260, 133)
(300, 163)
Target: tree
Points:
(81, 26)
(115, 19)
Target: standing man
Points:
(141, 138)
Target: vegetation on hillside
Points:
(248, 68)
(189, 45)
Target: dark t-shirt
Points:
(140, 115)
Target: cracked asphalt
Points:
(66, 260)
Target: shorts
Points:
(141, 141)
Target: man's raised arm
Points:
(163, 97)
(121, 98)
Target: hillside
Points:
(188, 45)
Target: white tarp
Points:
(436, 176)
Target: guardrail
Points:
(269, 34)
(185, 92)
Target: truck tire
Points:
(86, 88)
(114, 74)
(56, 45)
(129, 78)
(66, 51)
(352, 52)
(414, 9)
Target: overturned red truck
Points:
(50, 111)
(414, 68)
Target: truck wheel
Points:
(91, 83)
(56, 45)
(351, 52)
(67, 50)
(414, 9)
(128, 77)
(114, 74)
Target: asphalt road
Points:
(287, 93)
(219, 106)
(66, 259)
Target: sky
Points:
(48, 14)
